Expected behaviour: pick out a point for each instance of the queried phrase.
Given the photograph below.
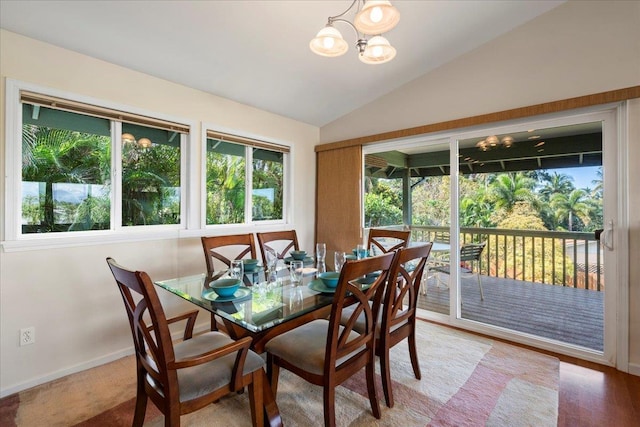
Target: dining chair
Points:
(469, 255)
(382, 240)
(398, 311)
(183, 377)
(280, 242)
(397, 315)
(326, 353)
(227, 248)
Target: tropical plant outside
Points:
(534, 200)
(66, 181)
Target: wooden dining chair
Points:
(183, 377)
(397, 315)
(228, 248)
(279, 242)
(398, 311)
(326, 353)
(381, 240)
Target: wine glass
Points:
(339, 258)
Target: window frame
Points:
(261, 142)
(13, 239)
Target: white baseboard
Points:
(634, 369)
(84, 366)
(66, 371)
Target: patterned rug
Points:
(467, 380)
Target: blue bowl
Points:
(330, 278)
(298, 255)
(225, 287)
(250, 264)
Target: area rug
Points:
(467, 380)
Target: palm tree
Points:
(511, 188)
(570, 206)
(598, 183)
(62, 156)
(557, 183)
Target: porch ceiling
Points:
(566, 147)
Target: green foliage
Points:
(511, 250)
(379, 211)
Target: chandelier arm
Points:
(361, 40)
(331, 18)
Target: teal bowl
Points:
(225, 287)
(330, 278)
(298, 255)
(364, 253)
(250, 264)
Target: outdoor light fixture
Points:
(494, 142)
(373, 17)
(127, 138)
(144, 142)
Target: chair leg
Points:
(413, 353)
(256, 399)
(371, 386)
(273, 372)
(385, 373)
(172, 417)
(480, 285)
(141, 402)
(214, 323)
(329, 396)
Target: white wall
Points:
(579, 48)
(68, 294)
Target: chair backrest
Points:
(401, 295)
(281, 242)
(153, 345)
(471, 252)
(344, 340)
(382, 240)
(237, 246)
(442, 237)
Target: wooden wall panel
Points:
(338, 199)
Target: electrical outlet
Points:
(27, 336)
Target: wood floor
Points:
(593, 395)
(574, 316)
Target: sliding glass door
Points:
(522, 232)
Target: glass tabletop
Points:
(255, 308)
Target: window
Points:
(244, 180)
(81, 167)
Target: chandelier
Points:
(373, 18)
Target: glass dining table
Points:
(261, 311)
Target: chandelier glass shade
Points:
(376, 17)
(378, 51)
(373, 17)
(329, 42)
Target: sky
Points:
(582, 177)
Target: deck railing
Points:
(550, 257)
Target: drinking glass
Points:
(361, 251)
(295, 270)
(321, 251)
(272, 264)
(237, 269)
(339, 259)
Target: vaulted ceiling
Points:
(257, 52)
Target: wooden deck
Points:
(574, 316)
